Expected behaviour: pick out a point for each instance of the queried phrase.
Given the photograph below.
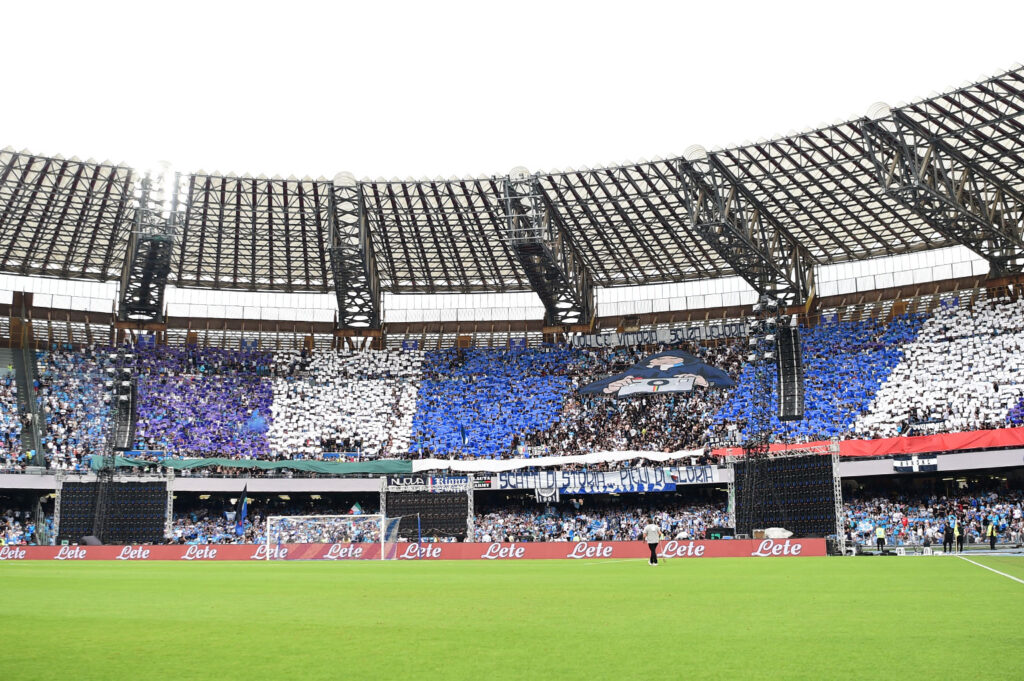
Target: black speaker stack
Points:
(440, 514)
(132, 512)
(793, 492)
(790, 366)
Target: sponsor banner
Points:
(429, 483)
(693, 332)
(718, 548)
(664, 479)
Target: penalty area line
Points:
(1016, 579)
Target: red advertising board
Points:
(914, 444)
(719, 548)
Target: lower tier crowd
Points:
(903, 520)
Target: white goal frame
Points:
(380, 519)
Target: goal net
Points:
(331, 537)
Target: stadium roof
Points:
(71, 218)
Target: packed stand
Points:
(923, 520)
(575, 520)
(11, 456)
(17, 528)
(845, 362)
(204, 402)
(965, 371)
(1016, 416)
(473, 403)
(206, 526)
(73, 404)
(652, 422)
(350, 402)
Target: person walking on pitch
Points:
(652, 535)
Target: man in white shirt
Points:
(652, 535)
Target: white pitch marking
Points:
(1016, 579)
(617, 560)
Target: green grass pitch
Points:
(806, 618)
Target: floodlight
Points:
(879, 110)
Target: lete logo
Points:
(415, 551)
(681, 549)
(340, 551)
(769, 547)
(11, 553)
(133, 553)
(276, 553)
(585, 550)
(70, 553)
(199, 553)
(496, 550)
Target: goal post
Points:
(374, 530)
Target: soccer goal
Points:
(356, 536)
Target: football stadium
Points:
(750, 411)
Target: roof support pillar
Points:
(742, 232)
(544, 248)
(158, 215)
(353, 263)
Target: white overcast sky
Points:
(438, 88)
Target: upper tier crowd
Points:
(957, 369)
(964, 371)
(11, 456)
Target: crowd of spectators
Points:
(845, 362)
(651, 422)
(11, 456)
(344, 402)
(922, 520)
(204, 402)
(1016, 416)
(576, 520)
(73, 404)
(960, 369)
(17, 527)
(474, 402)
(965, 371)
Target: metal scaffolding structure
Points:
(150, 248)
(941, 171)
(959, 196)
(353, 265)
(544, 249)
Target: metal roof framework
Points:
(628, 223)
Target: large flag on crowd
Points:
(243, 511)
(666, 372)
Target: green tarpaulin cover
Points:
(324, 467)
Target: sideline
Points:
(1016, 579)
(617, 560)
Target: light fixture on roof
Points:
(519, 174)
(344, 179)
(879, 110)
